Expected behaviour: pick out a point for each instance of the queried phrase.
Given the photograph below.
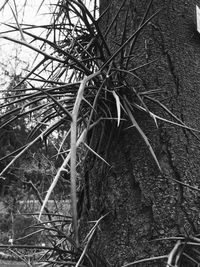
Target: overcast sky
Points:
(13, 57)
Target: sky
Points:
(14, 57)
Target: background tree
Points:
(124, 88)
(27, 180)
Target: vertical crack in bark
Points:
(185, 133)
(159, 38)
(177, 175)
(181, 198)
(173, 72)
(190, 221)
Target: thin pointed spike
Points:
(129, 40)
(114, 19)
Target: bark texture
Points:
(144, 203)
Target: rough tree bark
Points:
(144, 203)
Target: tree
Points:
(132, 94)
(12, 135)
(148, 204)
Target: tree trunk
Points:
(145, 204)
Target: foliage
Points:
(77, 84)
(5, 228)
(12, 136)
(22, 226)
